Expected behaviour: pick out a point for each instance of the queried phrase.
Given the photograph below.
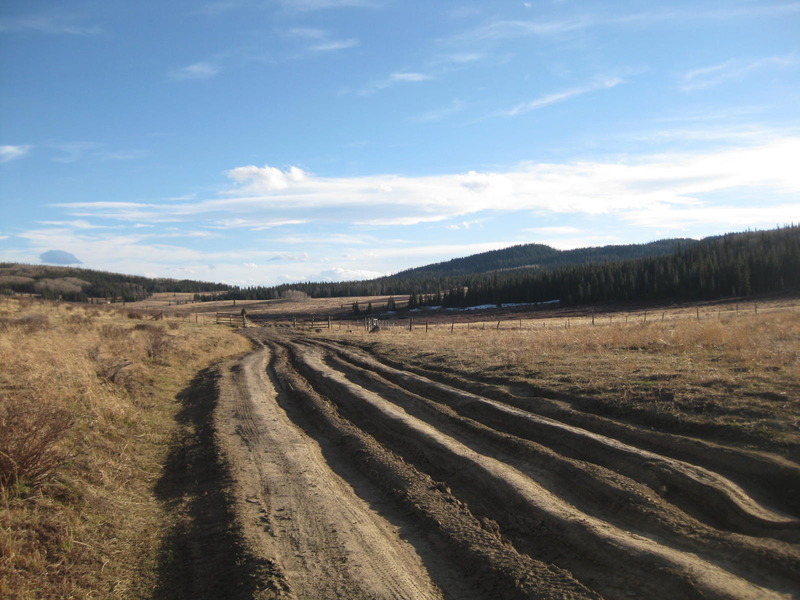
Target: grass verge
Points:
(82, 517)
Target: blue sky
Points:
(259, 142)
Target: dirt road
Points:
(357, 479)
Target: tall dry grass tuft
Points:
(87, 415)
(31, 436)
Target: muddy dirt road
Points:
(355, 479)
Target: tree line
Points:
(81, 285)
(728, 266)
(737, 264)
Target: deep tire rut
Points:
(361, 479)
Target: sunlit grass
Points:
(90, 526)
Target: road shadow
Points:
(203, 555)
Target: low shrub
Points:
(31, 436)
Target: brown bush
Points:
(28, 323)
(31, 434)
(157, 342)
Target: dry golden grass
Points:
(732, 374)
(283, 309)
(91, 526)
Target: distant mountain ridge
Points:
(77, 284)
(735, 264)
(540, 256)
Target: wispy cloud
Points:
(198, 70)
(714, 75)
(455, 107)
(70, 152)
(547, 100)
(504, 29)
(320, 40)
(334, 45)
(78, 224)
(255, 224)
(507, 29)
(398, 77)
(223, 6)
(53, 23)
(9, 153)
(311, 5)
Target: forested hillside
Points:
(69, 283)
(542, 257)
(737, 264)
(732, 265)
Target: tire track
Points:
(701, 491)
(595, 490)
(298, 514)
(769, 478)
(497, 498)
(481, 556)
(685, 575)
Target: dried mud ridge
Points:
(354, 478)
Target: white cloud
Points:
(554, 230)
(465, 224)
(9, 153)
(266, 197)
(266, 178)
(721, 215)
(340, 274)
